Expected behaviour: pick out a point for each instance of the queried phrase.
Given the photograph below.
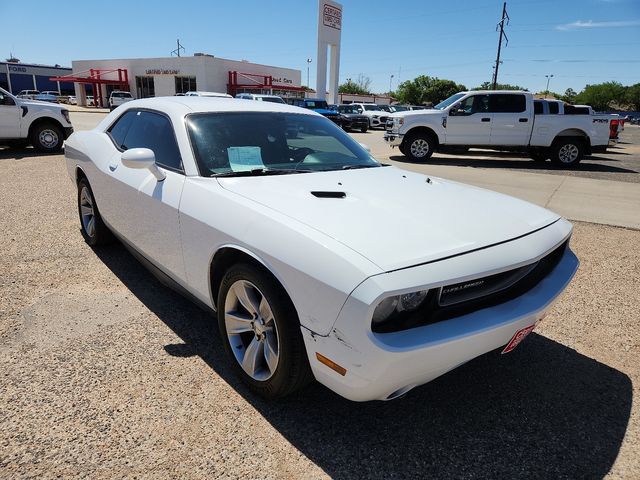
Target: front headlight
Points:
(392, 306)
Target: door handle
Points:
(486, 119)
(523, 120)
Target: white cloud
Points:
(581, 24)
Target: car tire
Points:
(46, 137)
(419, 146)
(265, 347)
(567, 151)
(402, 149)
(93, 229)
(364, 130)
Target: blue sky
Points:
(578, 41)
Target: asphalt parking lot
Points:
(105, 373)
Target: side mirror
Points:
(142, 158)
(365, 146)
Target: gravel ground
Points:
(105, 373)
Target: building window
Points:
(186, 84)
(145, 87)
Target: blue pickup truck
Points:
(319, 105)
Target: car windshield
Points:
(398, 108)
(348, 109)
(449, 101)
(371, 108)
(258, 143)
(272, 99)
(121, 94)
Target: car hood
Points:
(411, 113)
(354, 116)
(40, 103)
(393, 217)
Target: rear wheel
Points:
(261, 332)
(567, 151)
(93, 229)
(419, 146)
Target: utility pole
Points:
(309, 60)
(505, 16)
(176, 52)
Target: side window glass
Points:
(538, 109)
(118, 130)
(474, 104)
(154, 131)
(507, 103)
(554, 108)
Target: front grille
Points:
(462, 298)
(383, 119)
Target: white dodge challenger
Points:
(319, 261)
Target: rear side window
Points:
(507, 103)
(538, 108)
(118, 130)
(154, 131)
(554, 108)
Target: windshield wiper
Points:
(354, 167)
(259, 171)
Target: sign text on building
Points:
(332, 16)
(161, 71)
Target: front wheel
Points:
(46, 137)
(567, 152)
(364, 130)
(419, 146)
(261, 332)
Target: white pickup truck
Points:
(45, 125)
(497, 120)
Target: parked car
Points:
(207, 94)
(320, 106)
(28, 94)
(48, 96)
(43, 125)
(72, 100)
(90, 101)
(117, 98)
(260, 97)
(500, 120)
(377, 117)
(350, 119)
(399, 108)
(275, 234)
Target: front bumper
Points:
(382, 366)
(393, 139)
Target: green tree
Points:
(602, 96)
(424, 89)
(499, 86)
(360, 87)
(632, 96)
(569, 95)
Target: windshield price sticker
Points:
(244, 158)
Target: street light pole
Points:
(546, 92)
(390, 80)
(308, 63)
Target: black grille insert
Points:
(459, 299)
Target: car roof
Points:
(185, 105)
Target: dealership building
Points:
(156, 77)
(15, 77)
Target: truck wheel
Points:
(364, 129)
(419, 146)
(46, 137)
(402, 149)
(567, 151)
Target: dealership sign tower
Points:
(329, 30)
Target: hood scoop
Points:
(327, 194)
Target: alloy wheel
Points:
(419, 148)
(252, 330)
(48, 138)
(87, 213)
(568, 153)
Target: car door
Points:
(511, 122)
(469, 122)
(146, 210)
(10, 117)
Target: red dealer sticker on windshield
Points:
(517, 338)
